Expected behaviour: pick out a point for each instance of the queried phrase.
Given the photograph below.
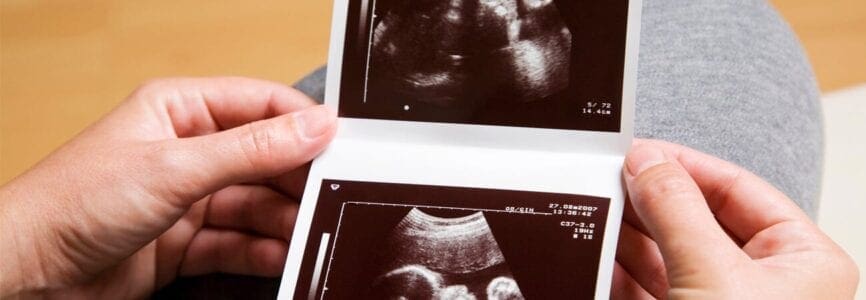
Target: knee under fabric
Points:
(728, 78)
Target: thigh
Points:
(728, 77)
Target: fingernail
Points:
(643, 157)
(314, 121)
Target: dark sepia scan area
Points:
(525, 63)
(439, 51)
(426, 257)
(399, 241)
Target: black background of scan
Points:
(545, 261)
(598, 30)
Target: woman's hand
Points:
(699, 227)
(186, 177)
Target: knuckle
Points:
(259, 143)
(658, 280)
(167, 89)
(289, 220)
(854, 271)
(151, 86)
(248, 206)
(257, 257)
(846, 267)
(164, 158)
(224, 195)
(662, 182)
(161, 159)
(154, 91)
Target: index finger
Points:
(197, 106)
(741, 201)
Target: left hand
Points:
(178, 180)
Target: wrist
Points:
(20, 264)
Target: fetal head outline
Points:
(408, 282)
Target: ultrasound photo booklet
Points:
(479, 151)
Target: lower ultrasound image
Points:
(525, 63)
(399, 241)
(452, 258)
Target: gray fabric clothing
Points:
(730, 78)
(727, 77)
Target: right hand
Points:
(700, 227)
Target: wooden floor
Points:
(65, 63)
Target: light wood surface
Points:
(834, 35)
(63, 64)
(66, 63)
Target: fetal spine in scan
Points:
(448, 52)
(428, 257)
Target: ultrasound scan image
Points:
(400, 241)
(525, 63)
(461, 53)
(429, 257)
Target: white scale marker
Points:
(317, 272)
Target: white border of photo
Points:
(507, 137)
(507, 158)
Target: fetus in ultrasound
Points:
(463, 53)
(408, 282)
(430, 257)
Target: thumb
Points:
(204, 164)
(675, 214)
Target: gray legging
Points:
(727, 78)
(723, 76)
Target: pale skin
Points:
(195, 176)
(698, 227)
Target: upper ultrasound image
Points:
(461, 53)
(525, 63)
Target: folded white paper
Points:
(479, 153)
